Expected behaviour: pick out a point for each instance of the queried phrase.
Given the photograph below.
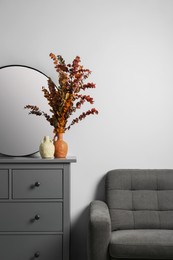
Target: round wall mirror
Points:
(20, 133)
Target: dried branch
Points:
(65, 99)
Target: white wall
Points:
(128, 44)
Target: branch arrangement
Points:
(65, 98)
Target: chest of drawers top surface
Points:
(36, 160)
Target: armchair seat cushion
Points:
(141, 244)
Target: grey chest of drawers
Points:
(34, 208)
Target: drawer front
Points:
(19, 216)
(3, 184)
(28, 247)
(37, 183)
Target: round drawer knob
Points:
(37, 254)
(37, 184)
(37, 217)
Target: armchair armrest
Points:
(99, 231)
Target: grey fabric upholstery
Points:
(139, 210)
(100, 231)
(140, 199)
(148, 244)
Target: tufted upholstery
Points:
(140, 199)
(136, 221)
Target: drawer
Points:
(37, 183)
(3, 184)
(30, 216)
(25, 247)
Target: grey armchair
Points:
(136, 221)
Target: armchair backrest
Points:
(140, 199)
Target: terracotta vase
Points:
(61, 147)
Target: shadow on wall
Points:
(79, 229)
